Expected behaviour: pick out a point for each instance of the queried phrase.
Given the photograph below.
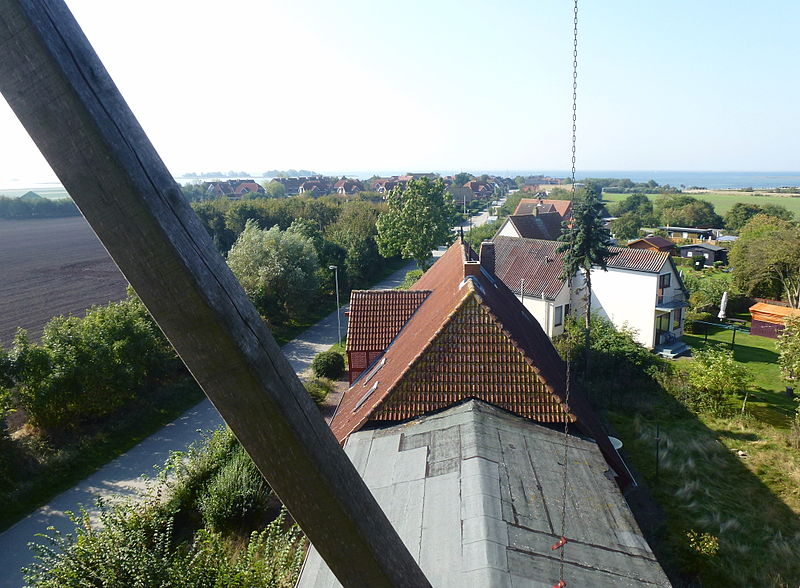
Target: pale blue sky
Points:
(416, 85)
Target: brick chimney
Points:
(486, 256)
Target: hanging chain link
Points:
(574, 87)
(561, 545)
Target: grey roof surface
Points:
(476, 495)
(701, 246)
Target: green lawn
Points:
(723, 201)
(768, 403)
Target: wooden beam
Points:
(66, 100)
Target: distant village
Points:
(482, 188)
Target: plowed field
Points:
(51, 267)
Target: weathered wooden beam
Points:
(66, 100)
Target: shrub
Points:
(136, 545)
(318, 389)
(691, 316)
(236, 491)
(88, 367)
(715, 374)
(328, 364)
(410, 279)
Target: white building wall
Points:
(544, 311)
(507, 230)
(627, 299)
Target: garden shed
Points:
(768, 319)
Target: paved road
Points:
(122, 477)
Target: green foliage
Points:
(138, 546)
(328, 364)
(236, 491)
(714, 375)
(476, 235)
(318, 389)
(355, 232)
(788, 347)
(418, 220)
(153, 542)
(705, 544)
(87, 368)
(741, 213)
(22, 208)
(681, 210)
(627, 226)
(707, 287)
(278, 270)
(621, 367)
(462, 178)
(766, 259)
(275, 190)
(411, 278)
(586, 242)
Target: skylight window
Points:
(374, 371)
(366, 396)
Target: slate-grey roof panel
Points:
(476, 494)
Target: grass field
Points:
(723, 201)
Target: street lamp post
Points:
(338, 312)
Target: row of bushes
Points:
(85, 368)
(21, 208)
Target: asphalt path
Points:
(126, 475)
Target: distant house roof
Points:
(348, 186)
(535, 261)
(528, 205)
(772, 313)
(380, 314)
(542, 225)
(538, 263)
(706, 246)
(476, 494)
(30, 196)
(470, 337)
(247, 187)
(727, 238)
(652, 241)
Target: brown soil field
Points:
(51, 267)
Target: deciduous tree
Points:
(418, 219)
(277, 270)
(766, 258)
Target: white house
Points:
(641, 290)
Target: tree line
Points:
(23, 208)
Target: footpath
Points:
(124, 475)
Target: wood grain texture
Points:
(64, 97)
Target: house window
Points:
(676, 319)
(664, 280)
(566, 310)
(558, 316)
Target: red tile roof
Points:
(470, 338)
(545, 225)
(562, 207)
(376, 316)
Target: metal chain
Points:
(563, 541)
(574, 87)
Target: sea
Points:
(711, 180)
